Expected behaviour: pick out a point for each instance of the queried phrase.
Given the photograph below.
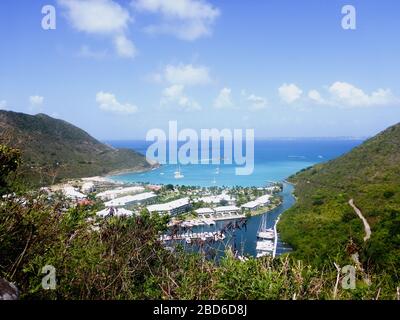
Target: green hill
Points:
(322, 226)
(53, 149)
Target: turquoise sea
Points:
(275, 160)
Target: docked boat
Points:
(268, 234)
(265, 239)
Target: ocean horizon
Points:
(274, 160)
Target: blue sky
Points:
(285, 68)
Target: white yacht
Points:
(178, 174)
(265, 239)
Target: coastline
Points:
(132, 170)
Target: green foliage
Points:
(53, 149)
(10, 159)
(121, 258)
(322, 224)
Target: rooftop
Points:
(226, 208)
(169, 206)
(111, 194)
(129, 199)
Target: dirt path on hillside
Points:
(365, 222)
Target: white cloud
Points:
(290, 93)
(36, 103)
(316, 97)
(175, 95)
(183, 74)
(3, 104)
(124, 46)
(257, 103)
(185, 19)
(108, 102)
(224, 99)
(101, 17)
(96, 16)
(346, 94)
(187, 74)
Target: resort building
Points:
(141, 198)
(88, 187)
(218, 198)
(204, 211)
(258, 203)
(171, 208)
(154, 187)
(115, 193)
(227, 210)
(71, 193)
(272, 189)
(117, 212)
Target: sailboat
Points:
(178, 174)
(265, 233)
(265, 244)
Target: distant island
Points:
(53, 150)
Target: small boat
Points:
(178, 174)
(268, 234)
(265, 245)
(263, 231)
(263, 254)
(265, 239)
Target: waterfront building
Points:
(171, 208)
(71, 193)
(117, 212)
(115, 193)
(141, 198)
(216, 199)
(205, 211)
(258, 203)
(226, 210)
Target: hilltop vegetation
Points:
(53, 149)
(122, 258)
(322, 226)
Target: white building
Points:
(205, 211)
(171, 208)
(272, 189)
(72, 193)
(115, 193)
(129, 200)
(88, 187)
(258, 203)
(117, 212)
(229, 210)
(218, 198)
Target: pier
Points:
(216, 235)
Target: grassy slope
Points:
(322, 226)
(56, 149)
